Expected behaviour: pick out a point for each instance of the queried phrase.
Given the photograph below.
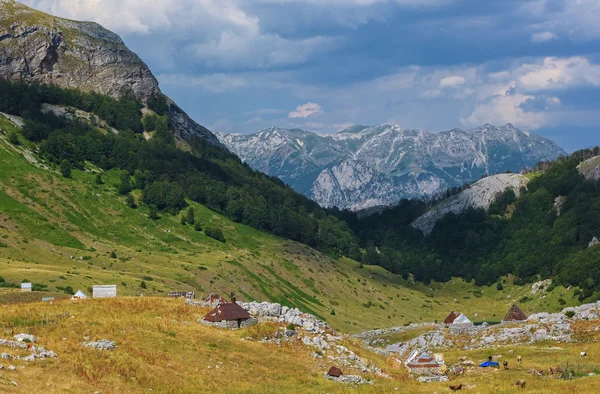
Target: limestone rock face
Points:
(590, 168)
(39, 48)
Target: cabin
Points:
(213, 300)
(515, 314)
(425, 364)
(229, 315)
(456, 318)
(80, 295)
(26, 287)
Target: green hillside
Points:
(61, 233)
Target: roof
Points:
(457, 318)
(227, 311)
(212, 297)
(451, 317)
(423, 360)
(515, 314)
(80, 294)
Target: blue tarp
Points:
(489, 364)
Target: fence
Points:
(189, 295)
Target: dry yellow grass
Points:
(162, 348)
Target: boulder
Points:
(24, 338)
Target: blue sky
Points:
(242, 65)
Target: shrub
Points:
(99, 180)
(215, 233)
(500, 286)
(130, 201)
(143, 285)
(562, 301)
(148, 278)
(65, 168)
(569, 314)
(153, 212)
(197, 227)
(333, 312)
(13, 138)
(113, 255)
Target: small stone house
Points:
(515, 314)
(455, 318)
(425, 364)
(229, 315)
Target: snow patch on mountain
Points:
(361, 166)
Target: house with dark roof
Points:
(229, 315)
(455, 318)
(515, 314)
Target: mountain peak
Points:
(39, 48)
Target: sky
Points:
(237, 66)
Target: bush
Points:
(215, 233)
(198, 227)
(500, 286)
(113, 255)
(562, 301)
(153, 212)
(99, 180)
(13, 138)
(569, 314)
(65, 168)
(333, 312)
(148, 278)
(130, 201)
(143, 285)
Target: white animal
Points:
(583, 354)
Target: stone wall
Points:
(230, 324)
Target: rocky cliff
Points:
(479, 195)
(363, 167)
(39, 48)
(590, 168)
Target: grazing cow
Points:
(520, 383)
(456, 387)
(505, 365)
(519, 359)
(552, 371)
(583, 354)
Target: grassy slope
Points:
(162, 348)
(60, 232)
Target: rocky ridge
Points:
(479, 195)
(590, 168)
(363, 167)
(39, 48)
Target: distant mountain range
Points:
(362, 167)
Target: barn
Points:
(457, 318)
(515, 314)
(229, 315)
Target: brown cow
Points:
(456, 387)
(520, 383)
(505, 365)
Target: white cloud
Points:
(452, 81)
(543, 36)
(557, 73)
(306, 110)
(219, 33)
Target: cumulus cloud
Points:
(221, 33)
(543, 36)
(576, 18)
(557, 73)
(452, 81)
(306, 110)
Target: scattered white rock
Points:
(102, 344)
(25, 338)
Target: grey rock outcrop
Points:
(479, 195)
(102, 344)
(590, 168)
(594, 242)
(39, 48)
